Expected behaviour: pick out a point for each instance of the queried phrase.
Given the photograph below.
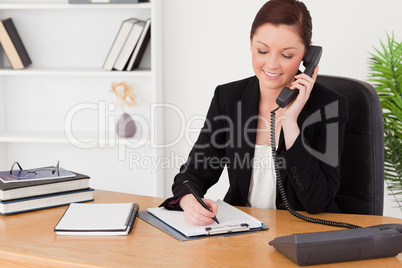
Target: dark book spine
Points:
(142, 46)
(16, 39)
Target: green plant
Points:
(386, 75)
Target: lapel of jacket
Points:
(246, 126)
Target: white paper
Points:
(227, 215)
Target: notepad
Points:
(231, 220)
(97, 219)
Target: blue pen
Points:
(194, 192)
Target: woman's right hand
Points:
(195, 213)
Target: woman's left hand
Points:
(304, 84)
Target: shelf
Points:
(73, 72)
(27, 5)
(84, 139)
(68, 49)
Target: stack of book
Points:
(12, 45)
(129, 45)
(39, 192)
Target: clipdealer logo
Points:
(107, 121)
(331, 155)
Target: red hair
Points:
(288, 12)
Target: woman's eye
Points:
(262, 52)
(287, 56)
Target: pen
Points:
(194, 192)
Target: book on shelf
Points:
(13, 46)
(142, 44)
(30, 188)
(45, 201)
(129, 46)
(97, 219)
(118, 43)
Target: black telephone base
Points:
(344, 245)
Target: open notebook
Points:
(232, 220)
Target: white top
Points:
(262, 193)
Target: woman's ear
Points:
(251, 42)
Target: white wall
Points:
(206, 43)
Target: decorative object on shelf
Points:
(386, 74)
(125, 126)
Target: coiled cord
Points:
(282, 189)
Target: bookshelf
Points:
(60, 107)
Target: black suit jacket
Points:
(309, 169)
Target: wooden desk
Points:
(28, 240)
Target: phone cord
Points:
(282, 189)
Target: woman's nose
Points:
(272, 62)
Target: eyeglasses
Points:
(21, 173)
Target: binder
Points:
(232, 222)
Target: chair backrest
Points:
(362, 163)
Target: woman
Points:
(236, 133)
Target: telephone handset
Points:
(310, 61)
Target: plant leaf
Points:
(385, 73)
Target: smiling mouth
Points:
(271, 75)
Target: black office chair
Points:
(362, 164)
